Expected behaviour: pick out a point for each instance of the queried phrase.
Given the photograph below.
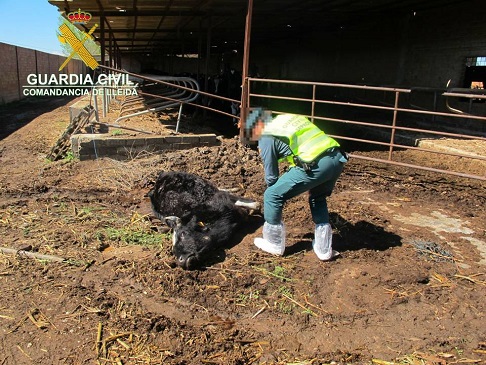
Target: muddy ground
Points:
(409, 287)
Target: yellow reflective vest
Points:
(304, 138)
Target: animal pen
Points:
(361, 117)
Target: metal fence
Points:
(161, 92)
(385, 118)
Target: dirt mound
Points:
(409, 286)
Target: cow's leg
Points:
(236, 200)
(247, 203)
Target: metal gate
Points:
(385, 117)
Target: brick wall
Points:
(54, 63)
(16, 63)
(9, 82)
(42, 62)
(26, 64)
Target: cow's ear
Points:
(173, 221)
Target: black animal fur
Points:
(203, 218)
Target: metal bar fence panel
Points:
(361, 109)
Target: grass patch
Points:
(117, 132)
(69, 157)
(137, 231)
(131, 236)
(278, 272)
(250, 298)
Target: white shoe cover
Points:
(268, 247)
(322, 243)
(273, 240)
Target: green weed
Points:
(279, 273)
(133, 236)
(248, 298)
(69, 157)
(283, 305)
(285, 291)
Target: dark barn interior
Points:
(381, 42)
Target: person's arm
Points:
(269, 156)
(271, 150)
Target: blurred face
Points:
(257, 130)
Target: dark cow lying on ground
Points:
(202, 217)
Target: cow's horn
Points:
(173, 221)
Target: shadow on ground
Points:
(15, 115)
(352, 237)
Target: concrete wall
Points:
(18, 62)
(424, 49)
(439, 43)
(93, 146)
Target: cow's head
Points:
(189, 241)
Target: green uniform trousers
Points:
(319, 182)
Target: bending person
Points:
(316, 162)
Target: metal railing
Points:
(384, 115)
(167, 92)
(155, 96)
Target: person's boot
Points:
(322, 243)
(273, 240)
